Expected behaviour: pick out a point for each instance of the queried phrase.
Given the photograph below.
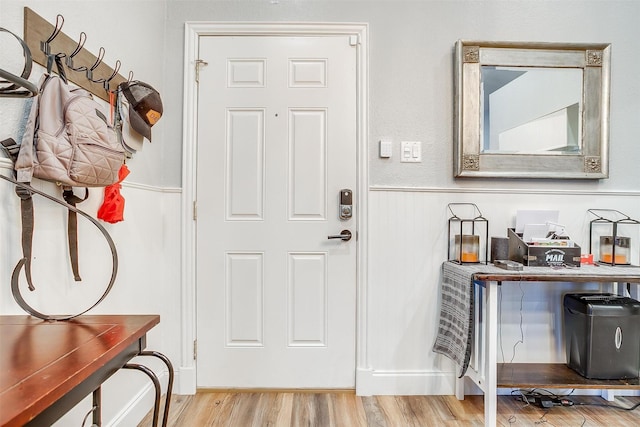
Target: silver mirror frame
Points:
(593, 160)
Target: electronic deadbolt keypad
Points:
(346, 204)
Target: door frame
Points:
(358, 34)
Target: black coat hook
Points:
(106, 82)
(54, 58)
(45, 45)
(95, 65)
(83, 38)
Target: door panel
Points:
(245, 161)
(276, 144)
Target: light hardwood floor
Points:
(345, 409)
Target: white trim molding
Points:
(154, 188)
(485, 190)
(140, 404)
(193, 32)
(404, 383)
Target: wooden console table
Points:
(484, 369)
(47, 367)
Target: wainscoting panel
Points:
(408, 243)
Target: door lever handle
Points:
(345, 236)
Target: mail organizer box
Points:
(602, 335)
(541, 255)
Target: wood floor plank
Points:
(435, 408)
(285, 411)
(310, 409)
(393, 412)
(462, 411)
(327, 409)
(244, 409)
(178, 406)
(274, 409)
(374, 413)
(347, 410)
(208, 409)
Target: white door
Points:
(276, 299)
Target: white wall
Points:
(411, 64)
(411, 98)
(148, 240)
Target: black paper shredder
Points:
(602, 335)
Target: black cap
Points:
(145, 106)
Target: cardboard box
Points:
(541, 256)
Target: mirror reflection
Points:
(531, 110)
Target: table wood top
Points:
(584, 273)
(41, 361)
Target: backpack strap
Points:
(26, 209)
(24, 163)
(57, 60)
(11, 148)
(15, 276)
(72, 228)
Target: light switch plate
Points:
(386, 149)
(411, 151)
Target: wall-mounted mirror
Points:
(532, 110)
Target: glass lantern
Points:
(614, 250)
(613, 237)
(468, 234)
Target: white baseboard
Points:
(371, 382)
(188, 382)
(404, 383)
(140, 405)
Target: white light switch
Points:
(386, 149)
(411, 151)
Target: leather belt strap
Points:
(25, 262)
(26, 71)
(72, 228)
(26, 208)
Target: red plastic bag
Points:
(112, 209)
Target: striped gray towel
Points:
(455, 327)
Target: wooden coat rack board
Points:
(37, 30)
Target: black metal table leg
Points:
(156, 384)
(167, 362)
(97, 408)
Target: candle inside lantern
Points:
(622, 247)
(469, 251)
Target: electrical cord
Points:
(607, 405)
(86, 417)
(543, 398)
(512, 419)
(521, 340)
(546, 399)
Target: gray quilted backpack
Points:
(68, 139)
